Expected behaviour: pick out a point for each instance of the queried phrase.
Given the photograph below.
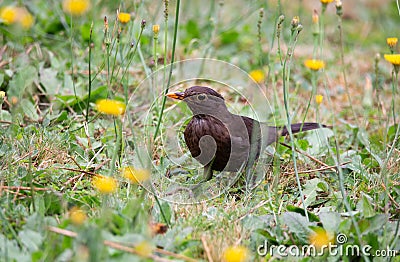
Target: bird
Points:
(222, 141)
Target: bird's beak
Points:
(176, 95)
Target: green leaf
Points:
(330, 221)
(192, 29)
(85, 32)
(267, 235)
(303, 144)
(23, 79)
(229, 37)
(311, 216)
(318, 139)
(79, 104)
(29, 109)
(48, 78)
(312, 189)
(31, 239)
(365, 205)
(362, 136)
(5, 115)
(298, 225)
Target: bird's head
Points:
(201, 100)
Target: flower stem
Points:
(90, 72)
(286, 78)
(118, 135)
(170, 69)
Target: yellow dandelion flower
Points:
(9, 14)
(156, 29)
(77, 216)
(2, 94)
(25, 19)
(105, 184)
(314, 64)
(392, 41)
(110, 107)
(135, 175)
(76, 7)
(325, 2)
(257, 75)
(144, 249)
(236, 254)
(124, 17)
(394, 59)
(320, 238)
(318, 99)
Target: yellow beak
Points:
(176, 95)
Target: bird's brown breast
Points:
(204, 128)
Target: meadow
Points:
(94, 166)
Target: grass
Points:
(53, 141)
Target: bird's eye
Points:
(201, 97)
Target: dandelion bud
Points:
(392, 42)
(339, 8)
(315, 17)
(2, 95)
(156, 29)
(377, 57)
(299, 28)
(315, 25)
(295, 22)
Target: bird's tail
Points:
(300, 127)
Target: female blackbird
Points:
(223, 141)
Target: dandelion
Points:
(320, 238)
(236, 254)
(110, 107)
(314, 64)
(124, 17)
(156, 29)
(25, 19)
(8, 14)
(16, 15)
(144, 249)
(318, 99)
(392, 42)
(135, 175)
(105, 184)
(257, 75)
(325, 2)
(76, 7)
(394, 59)
(77, 216)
